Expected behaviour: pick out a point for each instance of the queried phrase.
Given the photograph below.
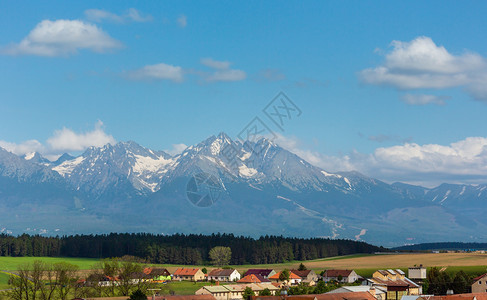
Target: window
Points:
(480, 282)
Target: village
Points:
(331, 284)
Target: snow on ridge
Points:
(463, 190)
(446, 196)
(330, 175)
(216, 146)
(148, 164)
(243, 170)
(284, 198)
(68, 166)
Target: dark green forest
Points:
(443, 246)
(189, 249)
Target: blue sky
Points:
(396, 90)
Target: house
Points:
(224, 275)
(394, 283)
(158, 274)
(253, 278)
(218, 291)
(417, 273)
(307, 276)
(293, 278)
(185, 297)
(335, 296)
(377, 293)
(234, 291)
(188, 274)
(266, 273)
(470, 296)
(479, 284)
(342, 276)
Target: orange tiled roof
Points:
(336, 296)
(185, 272)
(291, 276)
(253, 278)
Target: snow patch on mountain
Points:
(149, 164)
(245, 171)
(66, 168)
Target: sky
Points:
(395, 90)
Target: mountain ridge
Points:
(108, 186)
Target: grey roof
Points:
(410, 297)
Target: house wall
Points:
(480, 286)
(417, 273)
(235, 276)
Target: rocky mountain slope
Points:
(222, 185)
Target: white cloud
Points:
(67, 140)
(463, 161)
(422, 99)
(226, 75)
(62, 37)
(132, 14)
(23, 148)
(159, 72)
(63, 140)
(222, 71)
(99, 15)
(215, 64)
(176, 149)
(182, 21)
(137, 16)
(421, 64)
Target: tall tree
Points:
(220, 256)
(247, 293)
(284, 276)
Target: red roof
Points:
(478, 296)
(185, 272)
(302, 274)
(291, 276)
(336, 296)
(477, 278)
(253, 278)
(186, 297)
(336, 273)
(221, 272)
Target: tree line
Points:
(439, 282)
(188, 249)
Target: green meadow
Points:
(13, 263)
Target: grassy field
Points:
(12, 263)
(3, 281)
(364, 264)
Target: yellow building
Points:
(394, 283)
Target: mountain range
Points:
(224, 185)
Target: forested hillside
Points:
(181, 249)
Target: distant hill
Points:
(443, 246)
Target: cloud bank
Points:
(132, 15)
(63, 140)
(421, 64)
(463, 161)
(63, 37)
